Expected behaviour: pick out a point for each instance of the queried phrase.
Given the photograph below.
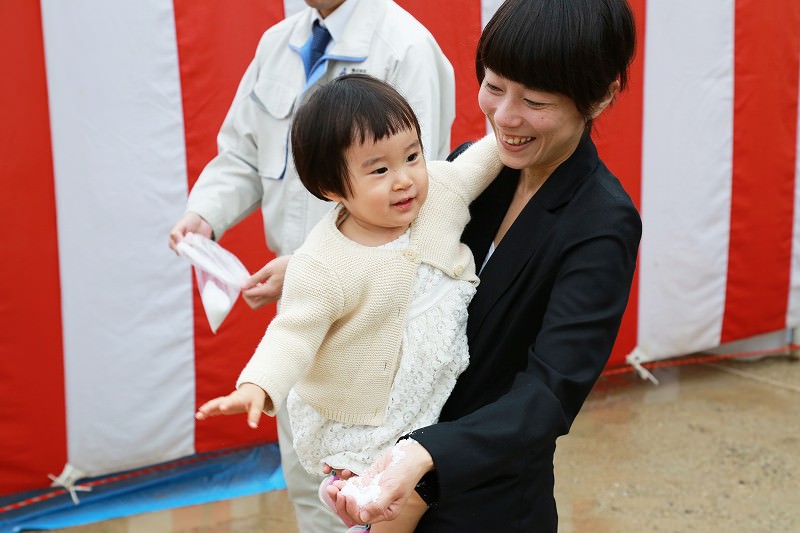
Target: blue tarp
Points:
(212, 477)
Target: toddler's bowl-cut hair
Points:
(354, 108)
(573, 47)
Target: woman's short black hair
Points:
(573, 47)
(351, 109)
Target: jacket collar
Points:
(354, 42)
(560, 187)
(521, 243)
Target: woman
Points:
(557, 237)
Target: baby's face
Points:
(389, 184)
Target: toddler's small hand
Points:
(342, 474)
(249, 398)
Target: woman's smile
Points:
(515, 140)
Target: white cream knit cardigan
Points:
(337, 336)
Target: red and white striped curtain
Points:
(110, 110)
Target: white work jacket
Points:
(254, 165)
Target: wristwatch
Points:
(428, 488)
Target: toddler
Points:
(370, 335)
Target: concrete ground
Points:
(714, 448)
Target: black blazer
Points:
(541, 327)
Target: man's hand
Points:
(266, 285)
(189, 223)
(249, 398)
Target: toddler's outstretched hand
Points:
(249, 398)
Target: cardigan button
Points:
(411, 255)
(458, 270)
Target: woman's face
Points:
(536, 130)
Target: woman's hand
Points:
(249, 398)
(396, 473)
(266, 285)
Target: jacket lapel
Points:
(486, 213)
(528, 233)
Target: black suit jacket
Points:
(541, 328)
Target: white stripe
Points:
(764, 342)
(793, 311)
(120, 173)
(686, 175)
(488, 7)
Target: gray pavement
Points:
(713, 448)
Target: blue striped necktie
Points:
(320, 37)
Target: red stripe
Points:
(215, 45)
(618, 135)
(32, 405)
(456, 25)
(767, 44)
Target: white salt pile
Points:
(367, 489)
(363, 490)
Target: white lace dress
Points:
(433, 354)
